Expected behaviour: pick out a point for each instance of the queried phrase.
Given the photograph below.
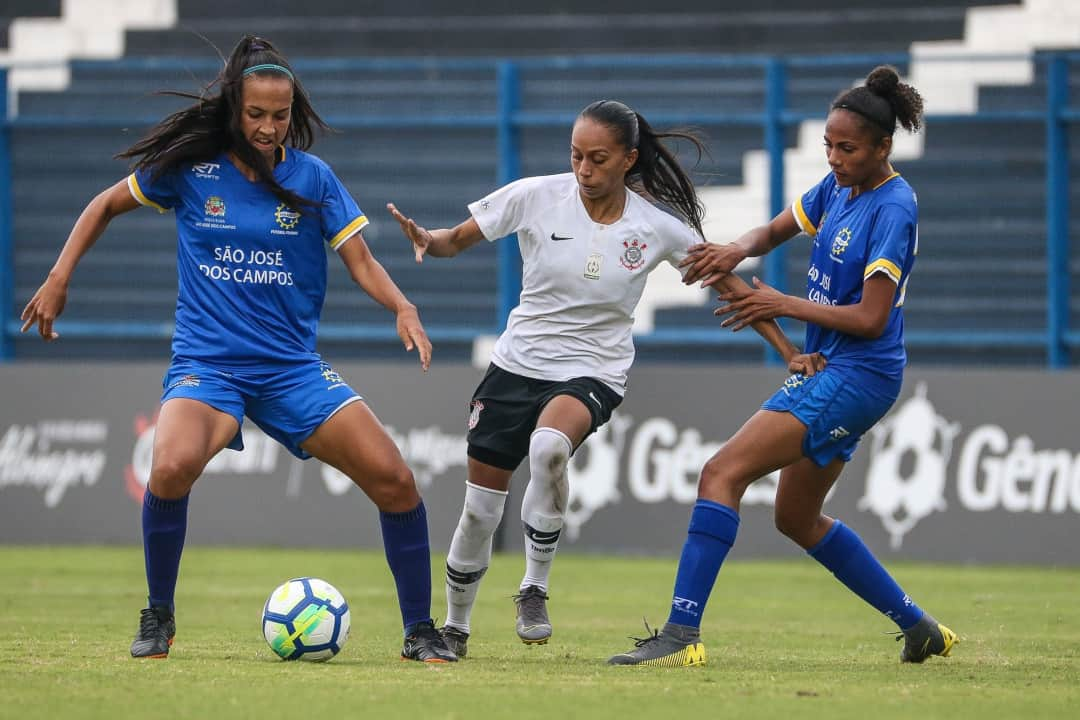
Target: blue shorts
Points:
(838, 405)
(288, 402)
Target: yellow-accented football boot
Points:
(674, 646)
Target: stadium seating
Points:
(24, 8)
(493, 27)
(982, 265)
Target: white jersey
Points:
(581, 280)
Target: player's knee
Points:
(549, 453)
(793, 523)
(394, 489)
(712, 470)
(719, 477)
(481, 514)
(172, 475)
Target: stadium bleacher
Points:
(983, 263)
(13, 9)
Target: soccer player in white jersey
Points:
(253, 214)
(863, 220)
(588, 241)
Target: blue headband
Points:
(268, 66)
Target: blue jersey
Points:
(854, 238)
(252, 271)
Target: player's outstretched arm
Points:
(371, 276)
(706, 262)
(444, 242)
(49, 300)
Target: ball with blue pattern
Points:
(306, 619)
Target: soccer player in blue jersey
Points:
(863, 221)
(253, 214)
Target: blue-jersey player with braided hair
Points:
(863, 220)
(254, 213)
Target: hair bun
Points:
(883, 80)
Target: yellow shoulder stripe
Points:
(882, 265)
(348, 231)
(800, 217)
(140, 196)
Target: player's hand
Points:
(412, 334)
(419, 236)
(751, 305)
(807, 364)
(708, 262)
(44, 307)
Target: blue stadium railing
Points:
(509, 118)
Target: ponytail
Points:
(657, 173)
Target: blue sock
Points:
(711, 534)
(846, 557)
(164, 526)
(405, 539)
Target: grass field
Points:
(784, 640)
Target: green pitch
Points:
(784, 640)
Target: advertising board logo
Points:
(909, 475)
(53, 456)
(906, 478)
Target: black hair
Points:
(883, 101)
(656, 171)
(211, 126)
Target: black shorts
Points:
(505, 407)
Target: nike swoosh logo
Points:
(596, 400)
(556, 238)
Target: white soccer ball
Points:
(306, 619)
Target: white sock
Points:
(544, 504)
(470, 551)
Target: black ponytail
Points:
(211, 126)
(656, 173)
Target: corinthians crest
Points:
(474, 413)
(633, 256)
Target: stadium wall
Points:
(970, 466)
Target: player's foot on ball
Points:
(925, 638)
(157, 627)
(533, 625)
(425, 644)
(674, 646)
(456, 640)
